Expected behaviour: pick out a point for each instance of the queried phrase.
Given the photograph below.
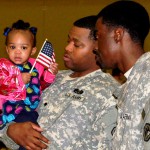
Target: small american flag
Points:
(46, 55)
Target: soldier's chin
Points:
(98, 63)
(101, 65)
(97, 60)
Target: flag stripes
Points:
(46, 55)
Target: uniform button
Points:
(45, 104)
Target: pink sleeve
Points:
(46, 77)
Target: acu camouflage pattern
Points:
(79, 114)
(133, 128)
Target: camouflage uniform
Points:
(79, 114)
(133, 128)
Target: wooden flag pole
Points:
(38, 55)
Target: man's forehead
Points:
(77, 33)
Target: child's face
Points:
(20, 46)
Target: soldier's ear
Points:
(118, 34)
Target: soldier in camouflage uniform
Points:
(121, 30)
(78, 111)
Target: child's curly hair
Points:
(21, 25)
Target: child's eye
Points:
(12, 47)
(24, 47)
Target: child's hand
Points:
(54, 68)
(26, 77)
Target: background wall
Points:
(53, 18)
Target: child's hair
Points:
(21, 25)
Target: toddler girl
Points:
(21, 89)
